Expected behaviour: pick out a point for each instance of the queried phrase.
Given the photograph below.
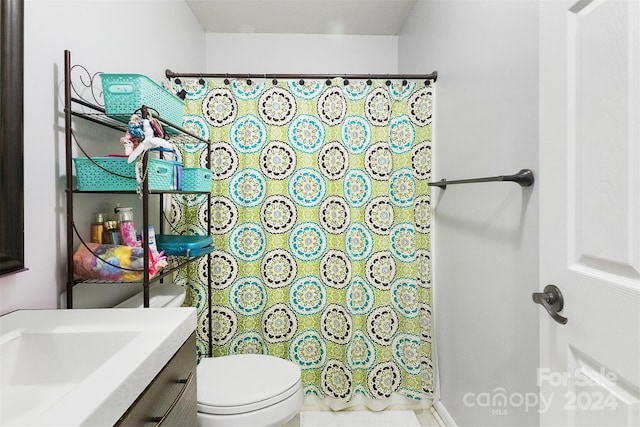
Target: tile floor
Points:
(425, 419)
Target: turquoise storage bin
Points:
(125, 93)
(196, 179)
(182, 245)
(164, 175)
(115, 174)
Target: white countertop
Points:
(83, 367)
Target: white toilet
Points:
(252, 390)
(241, 390)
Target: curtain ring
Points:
(226, 79)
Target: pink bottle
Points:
(127, 227)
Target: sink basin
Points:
(40, 368)
(83, 367)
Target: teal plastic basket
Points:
(126, 93)
(164, 175)
(196, 179)
(182, 245)
(115, 174)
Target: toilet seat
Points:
(243, 383)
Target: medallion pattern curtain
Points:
(320, 212)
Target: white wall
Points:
(144, 37)
(485, 249)
(112, 36)
(301, 53)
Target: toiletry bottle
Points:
(111, 234)
(127, 227)
(97, 228)
(151, 235)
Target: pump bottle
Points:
(97, 228)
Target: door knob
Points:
(551, 299)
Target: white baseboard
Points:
(443, 416)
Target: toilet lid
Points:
(244, 382)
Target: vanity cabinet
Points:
(76, 106)
(170, 399)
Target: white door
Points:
(589, 180)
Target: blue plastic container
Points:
(196, 179)
(116, 174)
(125, 93)
(184, 245)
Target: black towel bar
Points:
(524, 177)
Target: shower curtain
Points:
(320, 212)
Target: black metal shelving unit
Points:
(75, 106)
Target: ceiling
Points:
(361, 17)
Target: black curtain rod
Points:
(431, 76)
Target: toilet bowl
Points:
(254, 390)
